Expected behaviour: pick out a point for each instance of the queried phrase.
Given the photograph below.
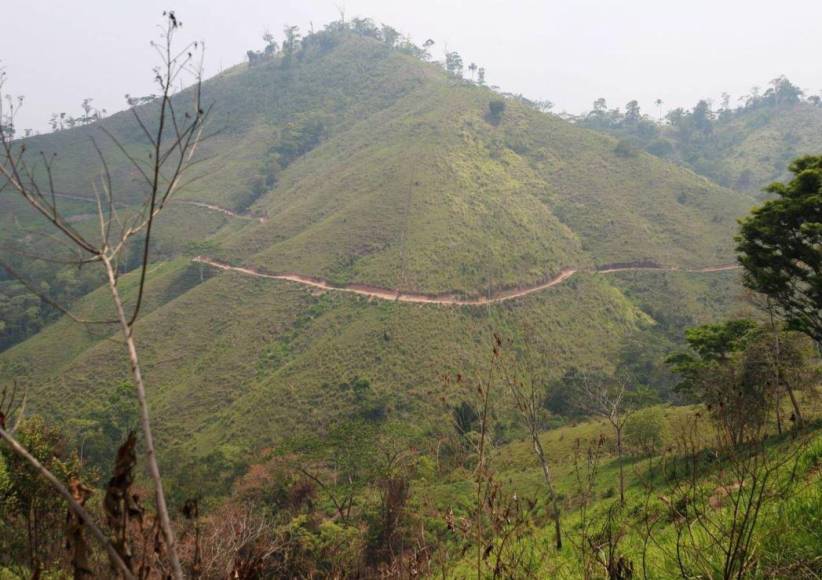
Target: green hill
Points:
(373, 167)
(763, 141)
(745, 148)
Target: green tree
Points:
(495, 109)
(782, 92)
(702, 118)
(716, 342)
(779, 362)
(108, 424)
(453, 63)
(644, 430)
(712, 373)
(32, 514)
(270, 44)
(780, 247)
(390, 35)
(365, 27)
(560, 398)
(473, 68)
(291, 43)
(632, 112)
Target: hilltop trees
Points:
(61, 121)
(366, 27)
(632, 112)
(781, 92)
(294, 45)
(291, 43)
(390, 35)
(453, 63)
(713, 140)
(270, 44)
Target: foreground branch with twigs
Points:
(172, 138)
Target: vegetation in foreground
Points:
(727, 487)
(366, 501)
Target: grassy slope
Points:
(413, 187)
(251, 109)
(55, 347)
(746, 149)
(782, 524)
(762, 142)
(441, 199)
(256, 357)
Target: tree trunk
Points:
(35, 568)
(145, 422)
(779, 380)
(797, 413)
(621, 467)
(551, 492)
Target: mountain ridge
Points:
(429, 193)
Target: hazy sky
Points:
(57, 52)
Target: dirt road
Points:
(444, 299)
(201, 204)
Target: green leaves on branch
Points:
(780, 247)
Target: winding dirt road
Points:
(445, 299)
(222, 210)
(396, 295)
(201, 204)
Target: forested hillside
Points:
(746, 147)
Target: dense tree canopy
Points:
(780, 247)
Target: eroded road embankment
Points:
(445, 299)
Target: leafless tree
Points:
(586, 471)
(237, 543)
(716, 505)
(523, 383)
(606, 398)
(499, 520)
(172, 137)
(484, 388)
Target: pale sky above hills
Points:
(568, 51)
